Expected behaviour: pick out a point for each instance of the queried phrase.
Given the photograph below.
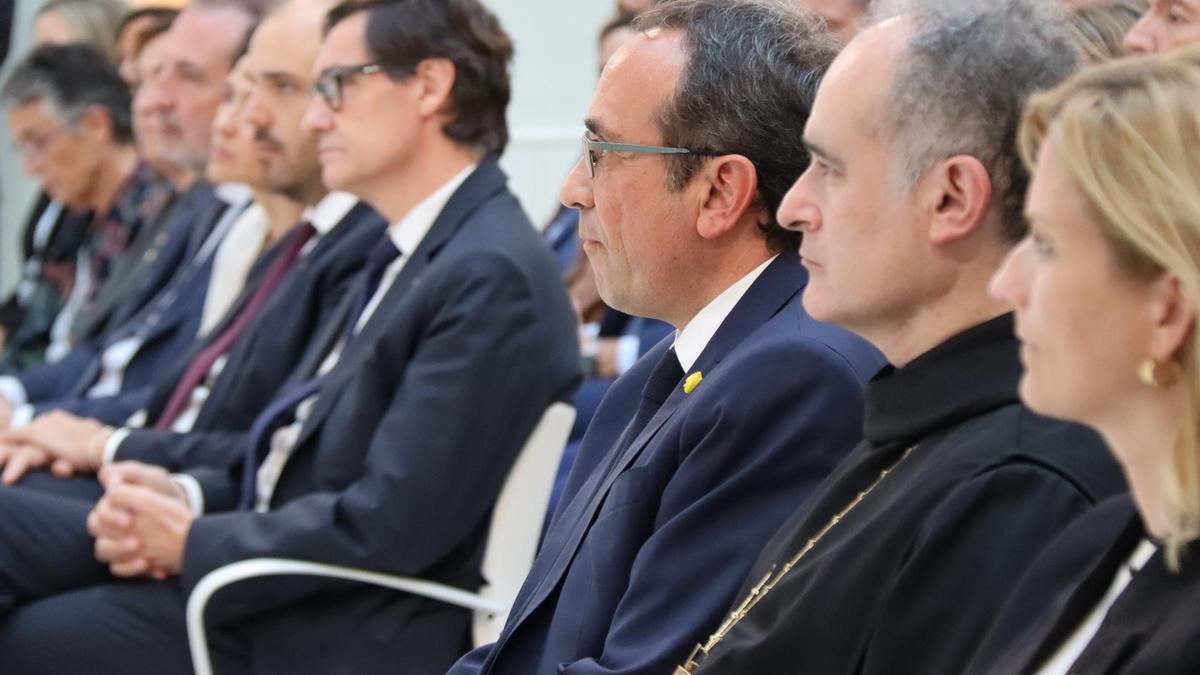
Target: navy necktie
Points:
(281, 411)
(384, 253)
(663, 379)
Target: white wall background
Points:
(553, 75)
(16, 192)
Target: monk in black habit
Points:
(899, 563)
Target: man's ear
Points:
(958, 193)
(436, 79)
(95, 124)
(729, 184)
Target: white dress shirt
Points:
(695, 336)
(1062, 660)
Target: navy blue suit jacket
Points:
(647, 550)
(161, 249)
(264, 355)
(405, 450)
(165, 335)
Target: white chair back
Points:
(518, 516)
(512, 543)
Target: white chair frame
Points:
(512, 544)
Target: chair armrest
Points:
(262, 567)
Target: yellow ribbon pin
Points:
(692, 381)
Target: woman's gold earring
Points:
(1159, 374)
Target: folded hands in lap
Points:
(141, 524)
(60, 440)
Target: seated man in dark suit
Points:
(703, 448)
(902, 559)
(110, 376)
(293, 288)
(389, 446)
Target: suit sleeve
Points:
(181, 452)
(465, 400)
(51, 381)
(747, 461)
(112, 410)
(972, 550)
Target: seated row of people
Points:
(828, 467)
(359, 372)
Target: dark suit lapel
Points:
(1075, 601)
(478, 188)
(778, 283)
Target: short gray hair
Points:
(748, 87)
(962, 81)
(71, 79)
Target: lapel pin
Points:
(692, 381)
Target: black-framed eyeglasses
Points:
(592, 149)
(332, 81)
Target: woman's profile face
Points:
(231, 151)
(1084, 325)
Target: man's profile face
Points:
(147, 122)
(1166, 25)
(278, 70)
(857, 214)
(187, 84)
(56, 153)
(367, 144)
(631, 225)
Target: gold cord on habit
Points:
(773, 577)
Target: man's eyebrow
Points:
(280, 77)
(596, 127)
(817, 151)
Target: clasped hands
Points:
(141, 522)
(60, 440)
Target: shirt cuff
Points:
(628, 347)
(13, 391)
(21, 415)
(192, 491)
(113, 445)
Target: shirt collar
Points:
(972, 373)
(695, 336)
(234, 194)
(412, 228)
(330, 211)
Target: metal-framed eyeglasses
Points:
(592, 148)
(331, 83)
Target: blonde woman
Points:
(1106, 288)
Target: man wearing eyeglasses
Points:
(389, 445)
(703, 448)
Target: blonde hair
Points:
(95, 22)
(1128, 134)
(1100, 29)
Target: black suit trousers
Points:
(119, 626)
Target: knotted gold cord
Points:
(773, 577)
